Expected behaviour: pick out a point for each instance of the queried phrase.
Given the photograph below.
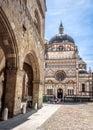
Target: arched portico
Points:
(9, 64)
(32, 85)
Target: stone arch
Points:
(31, 68)
(8, 38)
(50, 82)
(8, 46)
(31, 56)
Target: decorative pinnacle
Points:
(61, 28)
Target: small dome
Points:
(61, 37)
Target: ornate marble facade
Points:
(66, 74)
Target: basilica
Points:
(66, 74)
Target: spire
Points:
(61, 28)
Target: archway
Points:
(27, 93)
(60, 93)
(31, 80)
(9, 63)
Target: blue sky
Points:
(77, 19)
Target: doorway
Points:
(27, 93)
(60, 93)
(31, 91)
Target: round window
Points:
(60, 76)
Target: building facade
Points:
(65, 70)
(22, 26)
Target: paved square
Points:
(65, 116)
(71, 117)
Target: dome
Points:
(61, 37)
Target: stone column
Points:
(40, 98)
(55, 90)
(13, 91)
(18, 92)
(45, 89)
(65, 90)
(37, 94)
(10, 89)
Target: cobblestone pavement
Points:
(71, 117)
(31, 120)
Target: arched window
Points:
(49, 91)
(83, 87)
(61, 48)
(70, 91)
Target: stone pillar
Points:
(40, 99)
(13, 91)
(18, 92)
(55, 88)
(45, 89)
(10, 90)
(37, 94)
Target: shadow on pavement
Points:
(15, 121)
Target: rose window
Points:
(60, 76)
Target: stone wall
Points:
(21, 16)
